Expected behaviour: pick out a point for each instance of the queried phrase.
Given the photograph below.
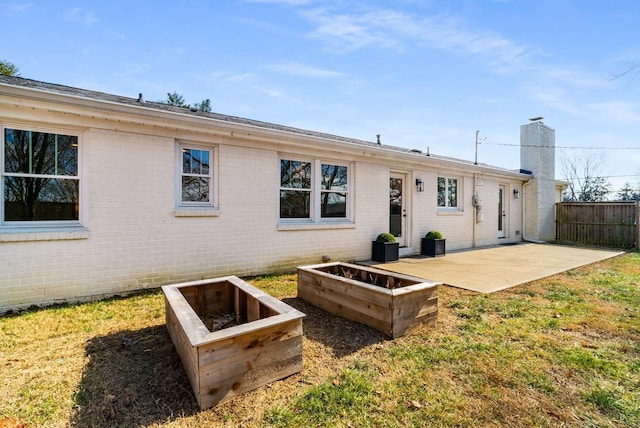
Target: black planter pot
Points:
(384, 252)
(433, 247)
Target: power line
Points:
(560, 147)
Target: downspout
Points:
(475, 211)
(524, 217)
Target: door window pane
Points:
(395, 206)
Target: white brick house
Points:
(105, 194)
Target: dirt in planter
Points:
(384, 281)
(219, 321)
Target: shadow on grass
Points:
(343, 336)
(132, 378)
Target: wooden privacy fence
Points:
(604, 224)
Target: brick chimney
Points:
(538, 155)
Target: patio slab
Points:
(493, 269)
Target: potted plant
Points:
(385, 248)
(433, 244)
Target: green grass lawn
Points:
(564, 350)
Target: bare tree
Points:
(632, 72)
(584, 175)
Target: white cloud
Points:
(386, 28)
(81, 16)
(303, 70)
(285, 2)
(233, 77)
(15, 8)
(621, 112)
(350, 32)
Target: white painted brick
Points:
(134, 239)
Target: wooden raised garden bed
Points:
(390, 302)
(231, 337)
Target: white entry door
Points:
(502, 211)
(397, 207)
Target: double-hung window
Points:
(196, 177)
(295, 189)
(334, 189)
(314, 190)
(448, 192)
(40, 179)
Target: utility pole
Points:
(476, 161)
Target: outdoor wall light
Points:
(516, 194)
(419, 185)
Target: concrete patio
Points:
(488, 270)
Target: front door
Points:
(502, 214)
(397, 207)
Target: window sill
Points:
(196, 212)
(315, 226)
(43, 234)
(450, 212)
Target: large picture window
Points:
(40, 180)
(313, 190)
(447, 192)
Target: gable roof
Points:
(139, 102)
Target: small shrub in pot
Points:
(385, 248)
(433, 244)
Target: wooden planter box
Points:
(433, 247)
(398, 304)
(384, 252)
(260, 343)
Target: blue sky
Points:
(420, 73)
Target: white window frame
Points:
(11, 227)
(196, 208)
(316, 192)
(447, 207)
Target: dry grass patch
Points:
(562, 350)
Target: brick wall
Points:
(537, 154)
(134, 240)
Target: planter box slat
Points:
(345, 300)
(253, 309)
(230, 370)
(393, 311)
(354, 288)
(230, 347)
(264, 374)
(221, 364)
(415, 309)
(325, 284)
(330, 305)
(188, 354)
